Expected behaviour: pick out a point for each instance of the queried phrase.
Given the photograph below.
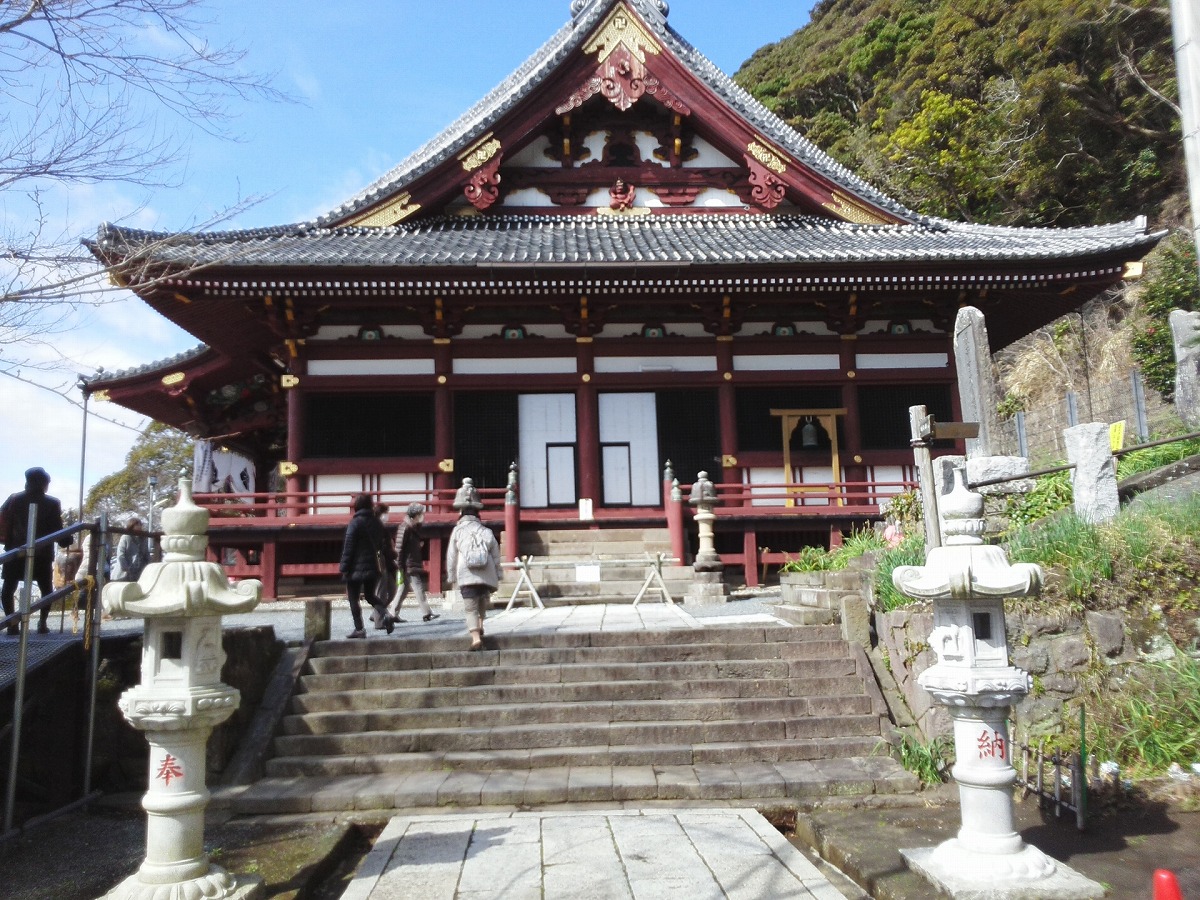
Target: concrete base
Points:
(216, 885)
(1027, 875)
(707, 589)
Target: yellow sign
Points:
(288, 381)
(287, 469)
(1116, 435)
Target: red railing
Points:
(829, 505)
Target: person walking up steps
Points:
(473, 560)
(364, 562)
(14, 524)
(410, 558)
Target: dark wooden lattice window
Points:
(486, 437)
(689, 432)
(884, 412)
(356, 426)
(758, 430)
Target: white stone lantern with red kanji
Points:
(967, 582)
(179, 701)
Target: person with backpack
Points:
(412, 562)
(473, 560)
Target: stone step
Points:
(459, 658)
(805, 615)
(798, 780)
(720, 753)
(575, 734)
(725, 636)
(639, 536)
(748, 670)
(585, 548)
(420, 695)
(585, 712)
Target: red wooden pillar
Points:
(294, 383)
(512, 518)
(443, 415)
(436, 558)
(852, 459)
(268, 561)
(675, 524)
(587, 423)
(731, 473)
(750, 554)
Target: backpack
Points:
(477, 553)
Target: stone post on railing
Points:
(708, 583)
(967, 582)
(673, 507)
(178, 702)
(512, 517)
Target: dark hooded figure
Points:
(14, 523)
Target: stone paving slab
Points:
(632, 854)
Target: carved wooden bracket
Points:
(441, 323)
(764, 189)
(623, 79)
(483, 188)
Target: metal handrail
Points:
(1054, 470)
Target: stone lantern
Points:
(178, 703)
(708, 583)
(967, 582)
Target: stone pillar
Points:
(1094, 478)
(178, 701)
(1185, 332)
(708, 583)
(976, 385)
(967, 581)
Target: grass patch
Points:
(1154, 719)
(929, 761)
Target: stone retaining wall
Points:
(1064, 654)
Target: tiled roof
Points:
(568, 241)
(478, 120)
(179, 360)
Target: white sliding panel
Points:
(629, 449)
(547, 447)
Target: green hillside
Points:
(998, 111)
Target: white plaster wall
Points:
(342, 490)
(902, 360)
(403, 488)
(787, 362)
(765, 476)
(530, 365)
(616, 364)
(534, 156)
(708, 156)
(630, 418)
(370, 367)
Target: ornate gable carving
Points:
(621, 47)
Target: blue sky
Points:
(373, 80)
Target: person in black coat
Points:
(366, 557)
(14, 522)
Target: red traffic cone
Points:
(1166, 887)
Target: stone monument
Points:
(967, 582)
(178, 702)
(976, 384)
(1094, 476)
(1185, 333)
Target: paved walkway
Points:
(695, 854)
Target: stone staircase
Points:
(565, 564)
(724, 713)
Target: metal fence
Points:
(1057, 778)
(87, 587)
(1037, 435)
